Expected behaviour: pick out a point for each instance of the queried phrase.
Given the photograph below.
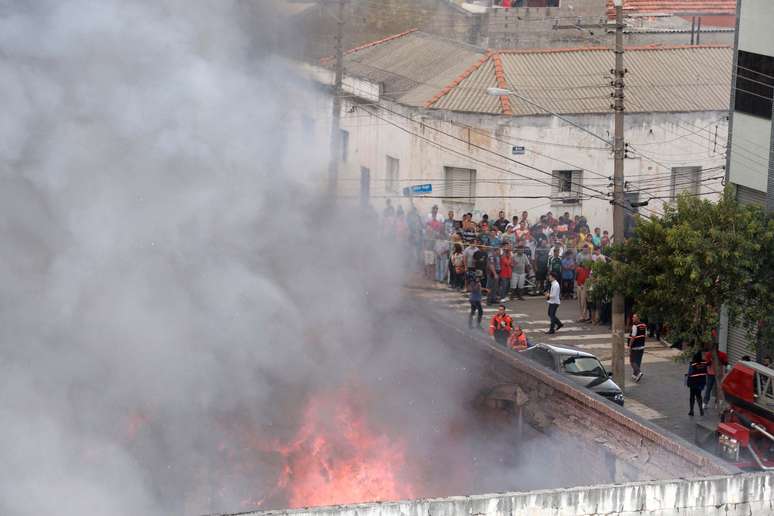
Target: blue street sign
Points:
(517, 150)
(417, 189)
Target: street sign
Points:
(517, 150)
(417, 190)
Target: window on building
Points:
(460, 186)
(344, 135)
(392, 176)
(754, 84)
(685, 180)
(566, 184)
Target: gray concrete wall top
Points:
(732, 495)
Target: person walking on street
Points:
(553, 295)
(501, 326)
(637, 346)
(696, 380)
(475, 302)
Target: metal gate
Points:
(738, 343)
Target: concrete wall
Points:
(550, 144)
(612, 441)
(740, 495)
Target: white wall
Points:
(550, 145)
(755, 34)
(749, 151)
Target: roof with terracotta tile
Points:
(674, 6)
(422, 70)
(577, 81)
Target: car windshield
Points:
(584, 366)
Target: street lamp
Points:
(502, 92)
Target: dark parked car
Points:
(580, 366)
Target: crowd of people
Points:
(507, 258)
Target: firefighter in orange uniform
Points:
(518, 339)
(501, 326)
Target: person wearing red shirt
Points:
(581, 275)
(505, 273)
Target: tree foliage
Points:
(681, 268)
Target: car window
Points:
(541, 356)
(583, 366)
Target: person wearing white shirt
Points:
(554, 295)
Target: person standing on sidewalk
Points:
(696, 379)
(493, 275)
(581, 275)
(553, 295)
(475, 302)
(637, 346)
(505, 273)
(519, 268)
(712, 368)
(501, 326)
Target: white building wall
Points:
(431, 140)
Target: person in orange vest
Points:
(518, 339)
(500, 327)
(637, 346)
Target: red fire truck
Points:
(746, 430)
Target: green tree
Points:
(681, 268)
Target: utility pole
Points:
(333, 165)
(619, 371)
(619, 153)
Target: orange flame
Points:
(337, 458)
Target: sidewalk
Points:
(661, 396)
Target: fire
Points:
(336, 457)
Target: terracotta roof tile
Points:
(674, 6)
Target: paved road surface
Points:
(661, 395)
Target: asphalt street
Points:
(661, 395)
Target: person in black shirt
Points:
(501, 223)
(696, 379)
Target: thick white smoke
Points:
(169, 276)
(157, 247)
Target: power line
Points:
(471, 144)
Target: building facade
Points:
(421, 115)
(751, 135)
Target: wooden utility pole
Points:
(333, 165)
(618, 202)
